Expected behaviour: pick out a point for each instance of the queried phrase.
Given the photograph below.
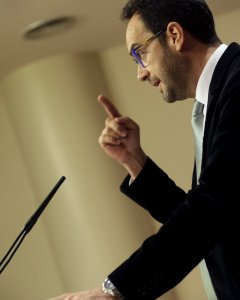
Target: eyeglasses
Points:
(137, 52)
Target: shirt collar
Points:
(206, 76)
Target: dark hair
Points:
(193, 15)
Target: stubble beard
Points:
(175, 77)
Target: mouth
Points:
(155, 82)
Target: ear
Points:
(175, 35)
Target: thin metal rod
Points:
(28, 226)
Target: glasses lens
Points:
(136, 57)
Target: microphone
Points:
(28, 226)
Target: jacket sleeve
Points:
(154, 191)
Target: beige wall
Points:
(24, 277)
(49, 125)
(50, 111)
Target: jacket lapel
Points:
(216, 87)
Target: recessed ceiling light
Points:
(46, 28)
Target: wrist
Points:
(135, 165)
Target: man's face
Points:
(166, 68)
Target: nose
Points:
(142, 73)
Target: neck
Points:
(199, 55)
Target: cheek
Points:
(156, 66)
(156, 58)
(157, 71)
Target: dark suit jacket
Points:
(203, 223)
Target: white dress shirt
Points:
(206, 77)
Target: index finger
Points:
(110, 109)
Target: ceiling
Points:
(98, 27)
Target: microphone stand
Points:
(28, 226)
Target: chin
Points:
(172, 97)
(171, 100)
(168, 99)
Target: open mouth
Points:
(155, 82)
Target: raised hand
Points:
(120, 139)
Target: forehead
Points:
(136, 32)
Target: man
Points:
(177, 50)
